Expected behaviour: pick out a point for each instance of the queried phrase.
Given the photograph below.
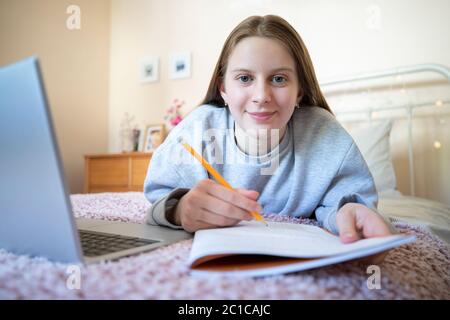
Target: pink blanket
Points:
(416, 271)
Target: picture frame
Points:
(180, 65)
(154, 136)
(149, 70)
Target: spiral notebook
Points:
(253, 249)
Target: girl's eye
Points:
(279, 79)
(244, 79)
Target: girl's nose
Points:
(261, 94)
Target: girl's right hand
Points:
(211, 205)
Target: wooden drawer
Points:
(108, 172)
(139, 168)
(116, 172)
(108, 189)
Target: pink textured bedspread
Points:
(416, 271)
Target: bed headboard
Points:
(404, 93)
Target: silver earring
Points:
(226, 104)
(297, 106)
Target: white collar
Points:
(255, 146)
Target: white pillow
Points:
(373, 142)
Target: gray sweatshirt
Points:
(314, 171)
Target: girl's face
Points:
(261, 86)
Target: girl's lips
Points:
(261, 116)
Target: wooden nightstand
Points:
(115, 172)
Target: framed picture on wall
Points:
(180, 65)
(149, 70)
(154, 136)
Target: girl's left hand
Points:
(355, 221)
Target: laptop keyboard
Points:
(97, 243)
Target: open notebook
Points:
(252, 249)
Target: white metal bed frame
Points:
(409, 108)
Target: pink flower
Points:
(173, 115)
(176, 120)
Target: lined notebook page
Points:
(278, 239)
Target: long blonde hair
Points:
(273, 27)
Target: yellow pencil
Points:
(215, 174)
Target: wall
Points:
(75, 66)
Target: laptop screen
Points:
(35, 211)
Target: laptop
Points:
(36, 216)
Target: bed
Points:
(419, 270)
(415, 271)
